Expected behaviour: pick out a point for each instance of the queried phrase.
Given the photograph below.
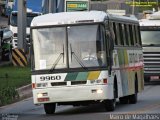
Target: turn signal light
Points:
(33, 85)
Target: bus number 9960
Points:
(47, 78)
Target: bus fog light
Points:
(99, 91)
(39, 95)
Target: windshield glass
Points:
(14, 18)
(86, 46)
(72, 46)
(150, 37)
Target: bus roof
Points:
(75, 17)
(148, 22)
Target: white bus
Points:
(150, 35)
(80, 58)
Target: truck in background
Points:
(150, 35)
(6, 7)
(34, 8)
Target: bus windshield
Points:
(14, 18)
(150, 37)
(80, 46)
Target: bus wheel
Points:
(110, 104)
(123, 100)
(49, 108)
(133, 98)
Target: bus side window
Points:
(131, 34)
(121, 34)
(137, 36)
(115, 33)
(134, 34)
(128, 35)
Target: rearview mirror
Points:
(7, 34)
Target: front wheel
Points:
(49, 108)
(110, 104)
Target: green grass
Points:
(11, 76)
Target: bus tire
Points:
(123, 100)
(133, 98)
(110, 104)
(49, 108)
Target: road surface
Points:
(149, 102)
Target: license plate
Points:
(154, 77)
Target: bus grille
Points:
(78, 82)
(151, 62)
(65, 83)
(58, 83)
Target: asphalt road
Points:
(148, 103)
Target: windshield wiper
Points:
(76, 57)
(57, 60)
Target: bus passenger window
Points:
(126, 34)
(131, 34)
(134, 34)
(115, 34)
(121, 34)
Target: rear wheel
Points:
(133, 98)
(110, 104)
(49, 108)
(123, 100)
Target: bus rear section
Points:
(150, 34)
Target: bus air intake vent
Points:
(78, 82)
(58, 83)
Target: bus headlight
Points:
(39, 95)
(99, 91)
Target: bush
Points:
(8, 95)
